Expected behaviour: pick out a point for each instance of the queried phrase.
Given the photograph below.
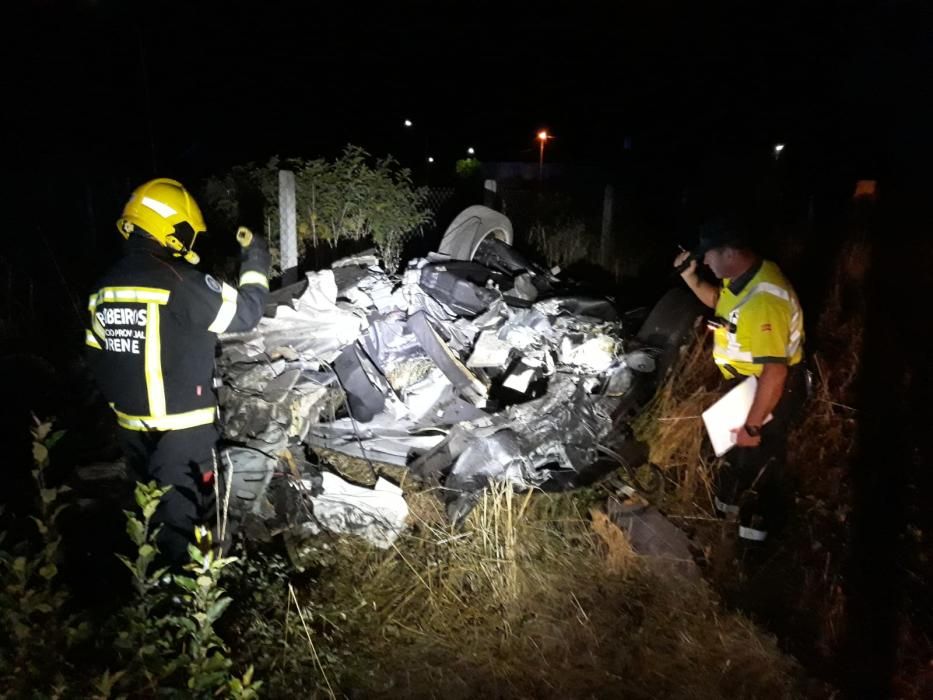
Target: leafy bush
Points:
(37, 632)
(352, 198)
(467, 168)
(164, 640)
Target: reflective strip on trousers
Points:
(724, 507)
(173, 421)
(750, 533)
(155, 384)
(227, 310)
(254, 278)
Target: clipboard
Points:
(729, 413)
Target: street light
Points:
(471, 151)
(430, 159)
(407, 122)
(778, 147)
(543, 138)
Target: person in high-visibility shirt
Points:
(152, 333)
(758, 332)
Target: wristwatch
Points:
(753, 430)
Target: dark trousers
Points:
(176, 458)
(750, 482)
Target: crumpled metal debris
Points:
(378, 514)
(467, 371)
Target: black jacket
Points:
(154, 321)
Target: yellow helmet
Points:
(165, 210)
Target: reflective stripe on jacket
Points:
(152, 333)
(768, 323)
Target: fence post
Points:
(490, 191)
(605, 239)
(288, 227)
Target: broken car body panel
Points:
(464, 372)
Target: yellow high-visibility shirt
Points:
(768, 323)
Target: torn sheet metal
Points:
(595, 354)
(527, 443)
(467, 371)
(462, 378)
(364, 285)
(459, 286)
(314, 326)
(365, 389)
(490, 351)
(377, 514)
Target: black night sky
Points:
(674, 97)
(130, 88)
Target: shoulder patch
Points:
(212, 284)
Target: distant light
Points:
(543, 135)
(430, 159)
(408, 122)
(471, 150)
(778, 147)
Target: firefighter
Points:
(758, 332)
(154, 321)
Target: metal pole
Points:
(541, 159)
(288, 227)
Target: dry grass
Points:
(826, 436)
(532, 598)
(821, 447)
(673, 427)
(542, 595)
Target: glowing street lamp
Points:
(778, 147)
(543, 138)
(430, 159)
(471, 151)
(408, 123)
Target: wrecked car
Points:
(474, 365)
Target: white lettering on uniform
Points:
(122, 316)
(123, 345)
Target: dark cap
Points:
(721, 232)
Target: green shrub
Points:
(355, 197)
(163, 641)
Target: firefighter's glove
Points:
(256, 256)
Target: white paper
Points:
(730, 413)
